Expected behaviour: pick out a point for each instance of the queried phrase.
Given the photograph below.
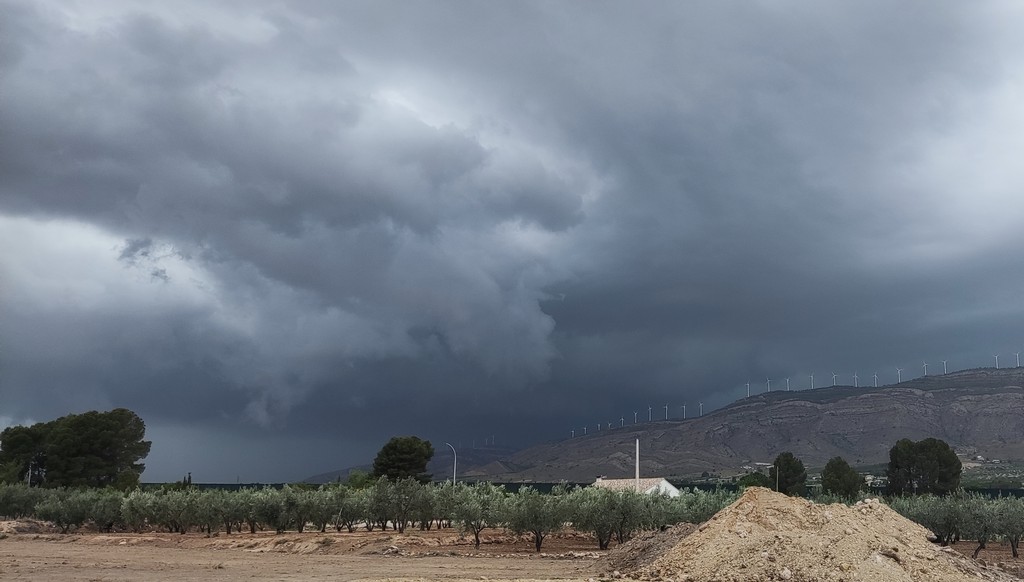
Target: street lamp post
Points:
(455, 463)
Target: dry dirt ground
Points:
(414, 555)
(795, 542)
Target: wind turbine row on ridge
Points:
(768, 388)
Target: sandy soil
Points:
(32, 551)
(160, 557)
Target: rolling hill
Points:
(978, 411)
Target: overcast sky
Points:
(284, 232)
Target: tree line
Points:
(928, 466)
(471, 509)
(385, 503)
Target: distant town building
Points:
(648, 486)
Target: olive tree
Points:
(63, 507)
(268, 509)
(18, 500)
(531, 511)
(698, 506)
(351, 507)
(594, 509)
(1011, 510)
(981, 518)
(477, 507)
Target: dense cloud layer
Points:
(283, 233)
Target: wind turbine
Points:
(584, 431)
(812, 381)
(943, 367)
(634, 417)
(573, 435)
(834, 376)
(876, 379)
(769, 384)
(622, 421)
(748, 389)
(925, 368)
(855, 382)
(1018, 359)
(787, 384)
(702, 409)
(997, 361)
(899, 375)
(666, 412)
(650, 412)
(684, 411)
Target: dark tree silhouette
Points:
(402, 457)
(789, 474)
(926, 466)
(93, 449)
(839, 478)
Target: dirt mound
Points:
(29, 526)
(766, 536)
(644, 549)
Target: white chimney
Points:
(638, 465)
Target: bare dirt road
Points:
(309, 556)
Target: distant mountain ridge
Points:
(979, 411)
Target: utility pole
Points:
(455, 463)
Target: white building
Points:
(649, 486)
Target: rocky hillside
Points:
(977, 411)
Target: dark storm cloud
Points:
(459, 219)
